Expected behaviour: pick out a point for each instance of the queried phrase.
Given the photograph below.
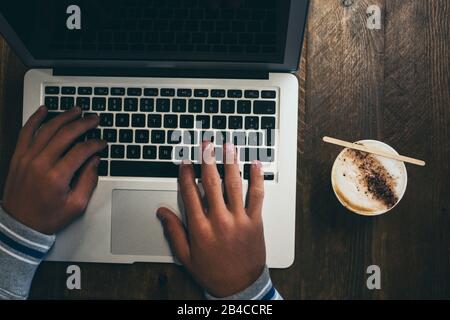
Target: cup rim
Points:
(379, 213)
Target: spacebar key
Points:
(143, 169)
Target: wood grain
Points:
(390, 84)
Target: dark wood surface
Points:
(390, 84)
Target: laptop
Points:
(164, 75)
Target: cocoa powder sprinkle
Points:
(374, 176)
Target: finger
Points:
(29, 129)
(83, 188)
(77, 156)
(211, 179)
(233, 182)
(47, 131)
(190, 194)
(176, 235)
(66, 136)
(255, 195)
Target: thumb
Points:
(175, 234)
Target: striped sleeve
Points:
(261, 289)
(21, 251)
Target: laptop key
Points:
(68, 90)
(227, 106)
(99, 104)
(144, 169)
(181, 153)
(126, 136)
(239, 138)
(67, 103)
(234, 93)
(211, 106)
(117, 91)
(133, 152)
(255, 139)
(268, 94)
(114, 104)
(162, 105)
(131, 104)
(84, 91)
(122, 120)
(134, 92)
(154, 121)
(266, 155)
(93, 134)
(138, 121)
(174, 136)
(268, 123)
(187, 122)
(52, 103)
(102, 170)
(141, 136)
(151, 92)
(110, 135)
(106, 120)
(84, 103)
(190, 137)
(251, 94)
(149, 152)
(178, 105)
(244, 107)
(195, 106)
(264, 107)
(170, 121)
(203, 122)
(201, 93)
(118, 151)
(251, 123)
(167, 92)
(165, 152)
(101, 91)
(235, 122)
(147, 105)
(184, 92)
(158, 136)
(217, 93)
(219, 122)
(51, 90)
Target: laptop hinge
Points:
(161, 73)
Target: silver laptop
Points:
(163, 76)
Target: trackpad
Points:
(135, 228)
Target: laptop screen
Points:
(251, 31)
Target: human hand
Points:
(223, 247)
(49, 182)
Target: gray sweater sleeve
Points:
(21, 251)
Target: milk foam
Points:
(351, 189)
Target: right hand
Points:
(50, 182)
(223, 247)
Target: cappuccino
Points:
(368, 184)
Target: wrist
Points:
(243, 290)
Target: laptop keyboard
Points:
(150, 130)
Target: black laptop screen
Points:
(154, 30)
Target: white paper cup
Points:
(350, 184)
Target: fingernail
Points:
(257, 164)
(42, 108)
(96, 161)
(76, 109)
(186, 162)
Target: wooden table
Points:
(390, 84)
